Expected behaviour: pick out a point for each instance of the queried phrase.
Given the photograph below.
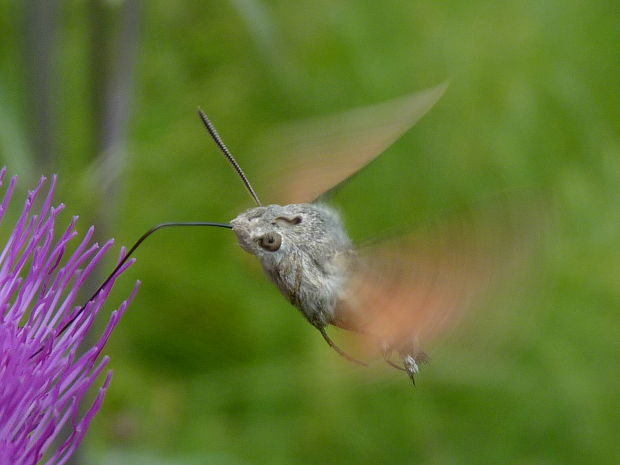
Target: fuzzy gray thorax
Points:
(304, 249)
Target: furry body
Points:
(311, 266)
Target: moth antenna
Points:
(124, 260)
(218, 140)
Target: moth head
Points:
(275, 231)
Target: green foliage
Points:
(213, 366)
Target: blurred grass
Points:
(213, 366)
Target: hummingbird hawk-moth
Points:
(396, 293)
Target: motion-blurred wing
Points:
(316, 155)
(408, 289)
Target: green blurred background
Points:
(211, 365)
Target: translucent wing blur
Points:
(314, 156)
(406, 290)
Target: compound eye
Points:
(270, 241)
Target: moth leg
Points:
(386, 351)
(295, 294)
(339, 350)
(394, 365)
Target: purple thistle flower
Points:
(43, 377)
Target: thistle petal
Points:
(44, 373)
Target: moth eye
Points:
(270, 241)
